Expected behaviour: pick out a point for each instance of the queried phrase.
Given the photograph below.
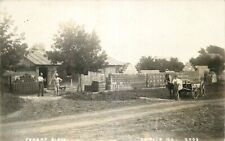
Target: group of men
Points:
(41, 81)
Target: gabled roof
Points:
(130, 70)
(39, 58)
(113, 62)
(188, 67)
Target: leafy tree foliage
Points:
(212, 56)
(78, 50)
(12, 47)
(149, 63)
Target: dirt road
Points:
(100, 125)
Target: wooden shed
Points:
(38, 62)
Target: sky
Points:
(127, 29)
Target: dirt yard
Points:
(129, 115)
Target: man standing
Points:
(41, 84)
(178, 85)
(169, 84)
(57, 83)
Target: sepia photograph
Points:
(112, 70)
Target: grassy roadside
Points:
(10, 103)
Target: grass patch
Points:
(120, 95)
(10, 103)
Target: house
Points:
(36, 62)
(202, 70)
(130, 69)
(188, 67)
(113, 66)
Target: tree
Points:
(175, 65)
(149, 63)
(78, 50)
(12, 47)
(212, 56)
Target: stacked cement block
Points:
(98, 86)
(94, 82)
(155, 80)
(117, 82)
(26, 84)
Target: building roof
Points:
(130, 70)
(39, 58)
(113, 62)
(188, 67)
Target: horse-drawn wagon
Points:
(192, 85)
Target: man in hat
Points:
(57, 83)
(41, 84)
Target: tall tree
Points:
(149, 63)
(78, 50)
(212, 56)
(12, 47)
(175, 65)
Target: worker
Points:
(178, 86)
(41, 85)
(57, 83)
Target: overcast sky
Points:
(127, 29)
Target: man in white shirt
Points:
(178, 85)
(41, 84)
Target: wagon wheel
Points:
(196, 93)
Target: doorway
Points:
(44, 70)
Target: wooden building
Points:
(37, 62)
(113, 66)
